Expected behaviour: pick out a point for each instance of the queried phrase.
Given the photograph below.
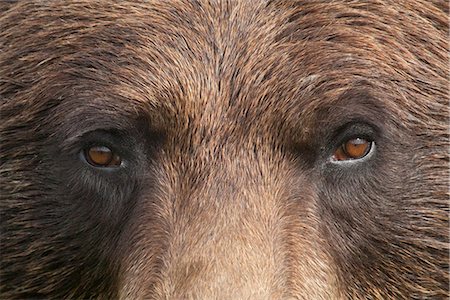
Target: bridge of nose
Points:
(239, 225)
(225, 233)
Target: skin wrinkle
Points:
(227, 114)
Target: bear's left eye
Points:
(102, 157)
(353, 149)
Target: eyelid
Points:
(108, 136)
(102, 137)
(355, 130)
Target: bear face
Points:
(213, 150)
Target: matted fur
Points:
(226, 114)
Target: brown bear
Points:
(224, 149)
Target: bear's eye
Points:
(356, 148)
(102, 157)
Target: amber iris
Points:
(101, 156)
(353, 149)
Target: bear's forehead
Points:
(209, 64)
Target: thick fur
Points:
(226, 114)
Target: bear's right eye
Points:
(353, 149)
(102, 157)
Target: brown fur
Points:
(226, 114)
